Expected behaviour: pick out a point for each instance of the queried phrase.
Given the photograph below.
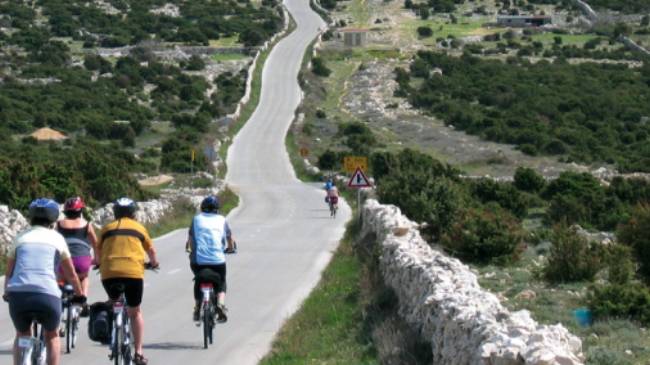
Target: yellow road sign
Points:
(304, 152)
(352, 163)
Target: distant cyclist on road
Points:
(209, 239)
(332, 197)
(31, 287)
(81, 239)
(121, 250)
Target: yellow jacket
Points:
(123, 244)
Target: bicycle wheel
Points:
(206, 326)
(75, 328)
(117, 347)
(68, 329)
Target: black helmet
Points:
(210, 204)
(124, 207)
(44, 209)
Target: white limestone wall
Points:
(441, 299)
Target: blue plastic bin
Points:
(583, 317)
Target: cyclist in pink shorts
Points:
(81, 239)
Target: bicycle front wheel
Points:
(68, 330)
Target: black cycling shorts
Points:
(25, 307)
(133, 289)
(218, 269)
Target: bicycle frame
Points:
(120, 336)
(32, 349)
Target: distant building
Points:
(524, 20)
(354, 37)
(48, 134)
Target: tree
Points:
(572, 257)
(635, 233)
(319, 68)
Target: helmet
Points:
(210, 204)
(44, 209)
(75, 204)
(124, 207)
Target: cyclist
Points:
(80, 237)
(121, 251)
(31, 287)
(208, 240)
(332, 197)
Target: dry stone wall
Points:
(441, 299)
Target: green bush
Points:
(629, 301)
(425, 32)
(329, 160)
(504, 194)
(423, 198)
(319, 68)
(620, 264)
(527, 179)
(636, 234)
(572, 257)
(484, 235)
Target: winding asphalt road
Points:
(282, 226)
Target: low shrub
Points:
(572, 257)
(425, 32)
(485, 235)
(630, 301)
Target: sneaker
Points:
(221, 313)
(138, 359)
(196, 316)
(85, 311)
(61, 332)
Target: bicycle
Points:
(334, 206)
(121, 331)
(32, 350)
(208, 312)
(71, 317)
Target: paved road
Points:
(285, 236)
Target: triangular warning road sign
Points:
(359, 180)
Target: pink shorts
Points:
(81, 264)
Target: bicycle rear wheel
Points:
(117, 347)
(206, 326)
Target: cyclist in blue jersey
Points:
(208, 241)
(30, 285)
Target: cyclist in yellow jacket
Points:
(121, 249)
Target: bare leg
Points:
(137, 326)
(84, 283)
(53, 344)
(221, 298)
(27, 333)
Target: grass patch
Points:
(567, 39)
(443, 28)
(225, 42)
(329, 327)
(184, 211)
(3, 264)
(233, 56)
(360, 11)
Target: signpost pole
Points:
(192, 169)
(359, 203)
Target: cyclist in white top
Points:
(30, 286)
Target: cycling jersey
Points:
(208, 233)
(37, 252)
(123, 245)
(77, 239)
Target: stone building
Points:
(354, 37)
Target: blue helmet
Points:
(124, 207)
(44, 209)
(210, 204)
